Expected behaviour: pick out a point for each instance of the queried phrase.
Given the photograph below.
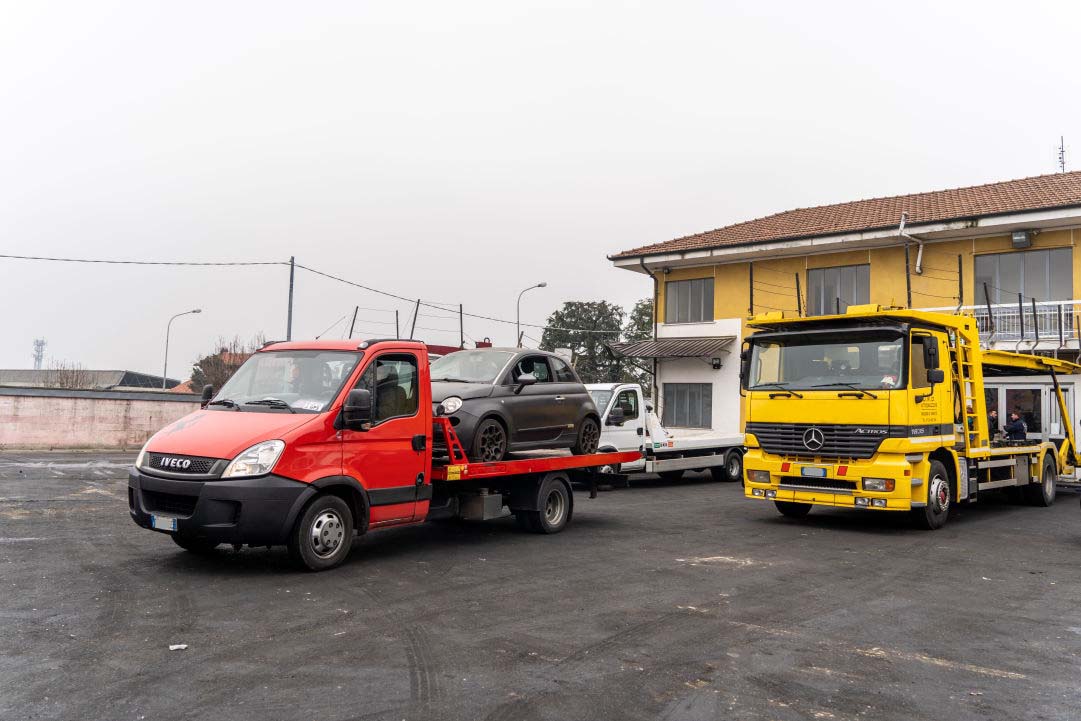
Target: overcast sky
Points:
(461, 151)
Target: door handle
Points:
(640, 431)
(420, 479)
(560, 399)
(420, 442)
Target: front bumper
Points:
(257, 511)
(834, 484)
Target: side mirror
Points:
(744, 366)
(357, 412)
(208, 394)
(526, 379)
(930, 353)
(616, 417)
(936, 375)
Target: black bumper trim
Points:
(257, 511)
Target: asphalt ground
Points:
(662, 601)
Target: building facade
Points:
(1003, 252)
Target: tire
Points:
(323, 535)
(732, 470)
(610, 470)
(589, 437)
(939, 499)
(554, 498)
(791, 509)
(671, 475)
(197, 546)
(489, 442)
(1043, 493)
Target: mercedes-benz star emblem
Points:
(813, 439)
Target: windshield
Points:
(814, 362)
(601, 398)
(470, 366)
(304, 380)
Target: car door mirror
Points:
(526, 379)
(357, 412)
(616, 417)
(208, 393)
(936, 375)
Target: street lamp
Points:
(168, 327)
(518, 317)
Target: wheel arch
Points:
(948, 459)
(352, 492)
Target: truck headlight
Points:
(141, 458)
(256, 461)
(758, 476)
(883, 485)
(452, 404)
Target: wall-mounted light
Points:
(1021, 239)
(716, 363)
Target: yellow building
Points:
(1003, 252)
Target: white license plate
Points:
(163, 523)
(812, 472)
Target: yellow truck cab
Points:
(884, 409)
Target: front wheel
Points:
(589, 437)
(939, 499)
(489, 442)
(791, 509)
(323, 535)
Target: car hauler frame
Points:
(917, 441)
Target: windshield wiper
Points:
(273, 403)
(227, 402)
(782, 386)
(848, 385)
(454, 380)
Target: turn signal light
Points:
(882, 485)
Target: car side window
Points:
(392, 381)
(628, 401)
(537, 365)
(562, 371)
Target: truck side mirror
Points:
(615, 417)
(936, 375)
(930, 353)
(208, 393)
(744, 366)
(526, 379)
(357, 412)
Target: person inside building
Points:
(993, 426)
(1016, 430)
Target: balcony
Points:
(1050, 326)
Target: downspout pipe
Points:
(656, 309)
(919, 253)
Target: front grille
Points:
(174, 463)
(173, 503)
(838, 440)
(826, 484)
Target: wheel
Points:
(556, 507)
(671, 475)
(323, 534)
(589, 437)
(197, 546)
(790, 509)
(1043, 493)
(610, 469)
(939, 499)
(732, 470)
(489, 442)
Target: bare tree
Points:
(69, 375)
(217, 367)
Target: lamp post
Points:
(168, 327)
(518, 316)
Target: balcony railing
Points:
(1051, 323)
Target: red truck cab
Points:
(311, 443)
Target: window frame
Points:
(668, 418)
(831, 310)
(997, 285)
(709, 312)
(634, 401)
(553, 361)
(375, 392)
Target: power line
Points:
(142, 262)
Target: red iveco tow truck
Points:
(312, 443)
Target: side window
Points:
(628, 401)
(392, 381)
(537, 365)
(917, 368)
(562, 371)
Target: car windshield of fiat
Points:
(297, 381)
(803, 361)
(470, 366)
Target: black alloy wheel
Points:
(589, 438)
(489, 442)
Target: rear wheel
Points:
(1043, 493)
(489, 442)
(732, 469)
(323, 534)
(790, 509)
(589, 437)
(939, 499)
(554, 499)
(671, 475)
(197, 546)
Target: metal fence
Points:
(1049, 321)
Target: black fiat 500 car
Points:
(502, 400)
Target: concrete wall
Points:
(725, 381)
(48, 419)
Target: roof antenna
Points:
(1061, 154)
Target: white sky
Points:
(463, 151)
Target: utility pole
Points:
(168, 327)
(354, 323)
(397, 332)
(289, 321)
(1062, 154)
(416, 310)
(461, 326)
(518, 312)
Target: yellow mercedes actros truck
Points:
(884, 409)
